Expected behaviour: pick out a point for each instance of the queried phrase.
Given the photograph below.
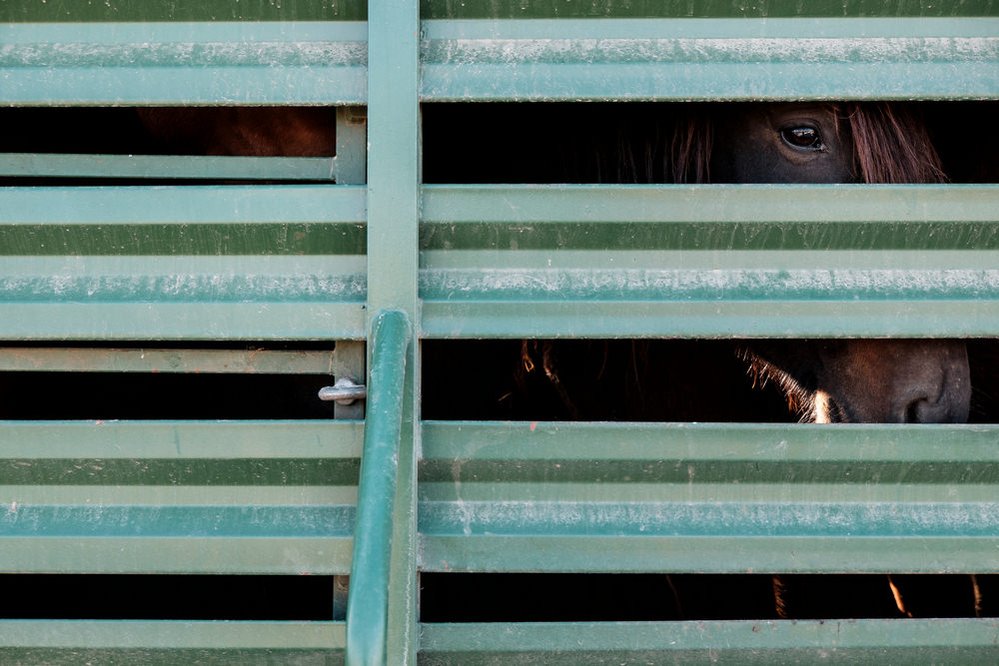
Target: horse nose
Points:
(946, 400)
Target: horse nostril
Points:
(915, 410)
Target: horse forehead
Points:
(886, 357)
(771, 114)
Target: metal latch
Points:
(343, 392)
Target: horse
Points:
(823, 381)
(849, 380)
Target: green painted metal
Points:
(684, 497)
(867, 641)
(564, 9)
(351, 145)
(206, 220)
(178, 497)
(226, 361)
(195, 263)
(146, 642)
(709, 261)
(62, 64)
(333, 10)
(288, 263)
(711, 59)
(368, 612)
(710, 217)
(393, 231)
(167, 166)
(82, 11)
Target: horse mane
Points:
(891, 144)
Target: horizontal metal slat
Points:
(513, 9)
(758, 642)
(712, 260)
(232, 361)
(711, 59)
(684, 497)
(163, 63)
(178, 497)
(167, 166)
(196, 263)
(156, 642)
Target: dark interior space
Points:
(623, 380)
(457, 597)
(109, 396)
(159, 597)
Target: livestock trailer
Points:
(343, 268)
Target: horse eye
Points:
(802, 137)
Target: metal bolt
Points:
(343, 392)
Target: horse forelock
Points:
(891, 144)
(690, 150)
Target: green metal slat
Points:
(169, 642)
(197, 263)
(712, 319)
(760, 642)
(178, 497)
(709, 217)
(150, 206)
(83, 11)
(518, 9)
(167, 166)
(368, 607)
(711, 59)
(151, 320)
(685, 497)
(234, 361)
(332, 10)
(183, 63)
(709, 261)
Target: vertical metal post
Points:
(370, 610)
(351, 145)
(393, 217)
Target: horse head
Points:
(891, 381)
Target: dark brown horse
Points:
(830, 381)
(825, 381)
(911, 381)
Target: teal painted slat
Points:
(67, 642)
(156, 321)
(331, 10)
(168, 166)
(761, 642)
(224, 361)
(685, 497)
(711, 59)
(276, 204)
(518, 9)
(710, 261)
(84, 11)
(198, 263)
(183, 63)
(178, 497)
